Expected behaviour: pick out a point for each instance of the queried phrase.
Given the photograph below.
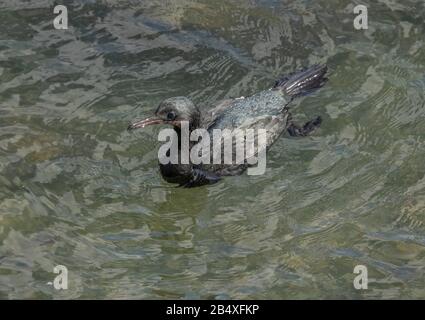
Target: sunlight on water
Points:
(76, 189)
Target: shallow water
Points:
(77, 189)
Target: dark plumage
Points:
(264, 110)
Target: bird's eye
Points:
(171, 115)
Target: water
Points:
(78, 190)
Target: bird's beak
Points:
(144, 123)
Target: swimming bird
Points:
(268, 109)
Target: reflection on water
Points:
(76, 189)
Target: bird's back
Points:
(246, 112)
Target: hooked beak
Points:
(144, 123)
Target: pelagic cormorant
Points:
(267, 109)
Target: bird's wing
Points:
(253, 137)
(213, 114)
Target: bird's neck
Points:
(179, 136)
(178, 130)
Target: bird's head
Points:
(172, 111)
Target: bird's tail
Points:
(302, 82)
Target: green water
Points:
(77, 189)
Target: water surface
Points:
(77, 189)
